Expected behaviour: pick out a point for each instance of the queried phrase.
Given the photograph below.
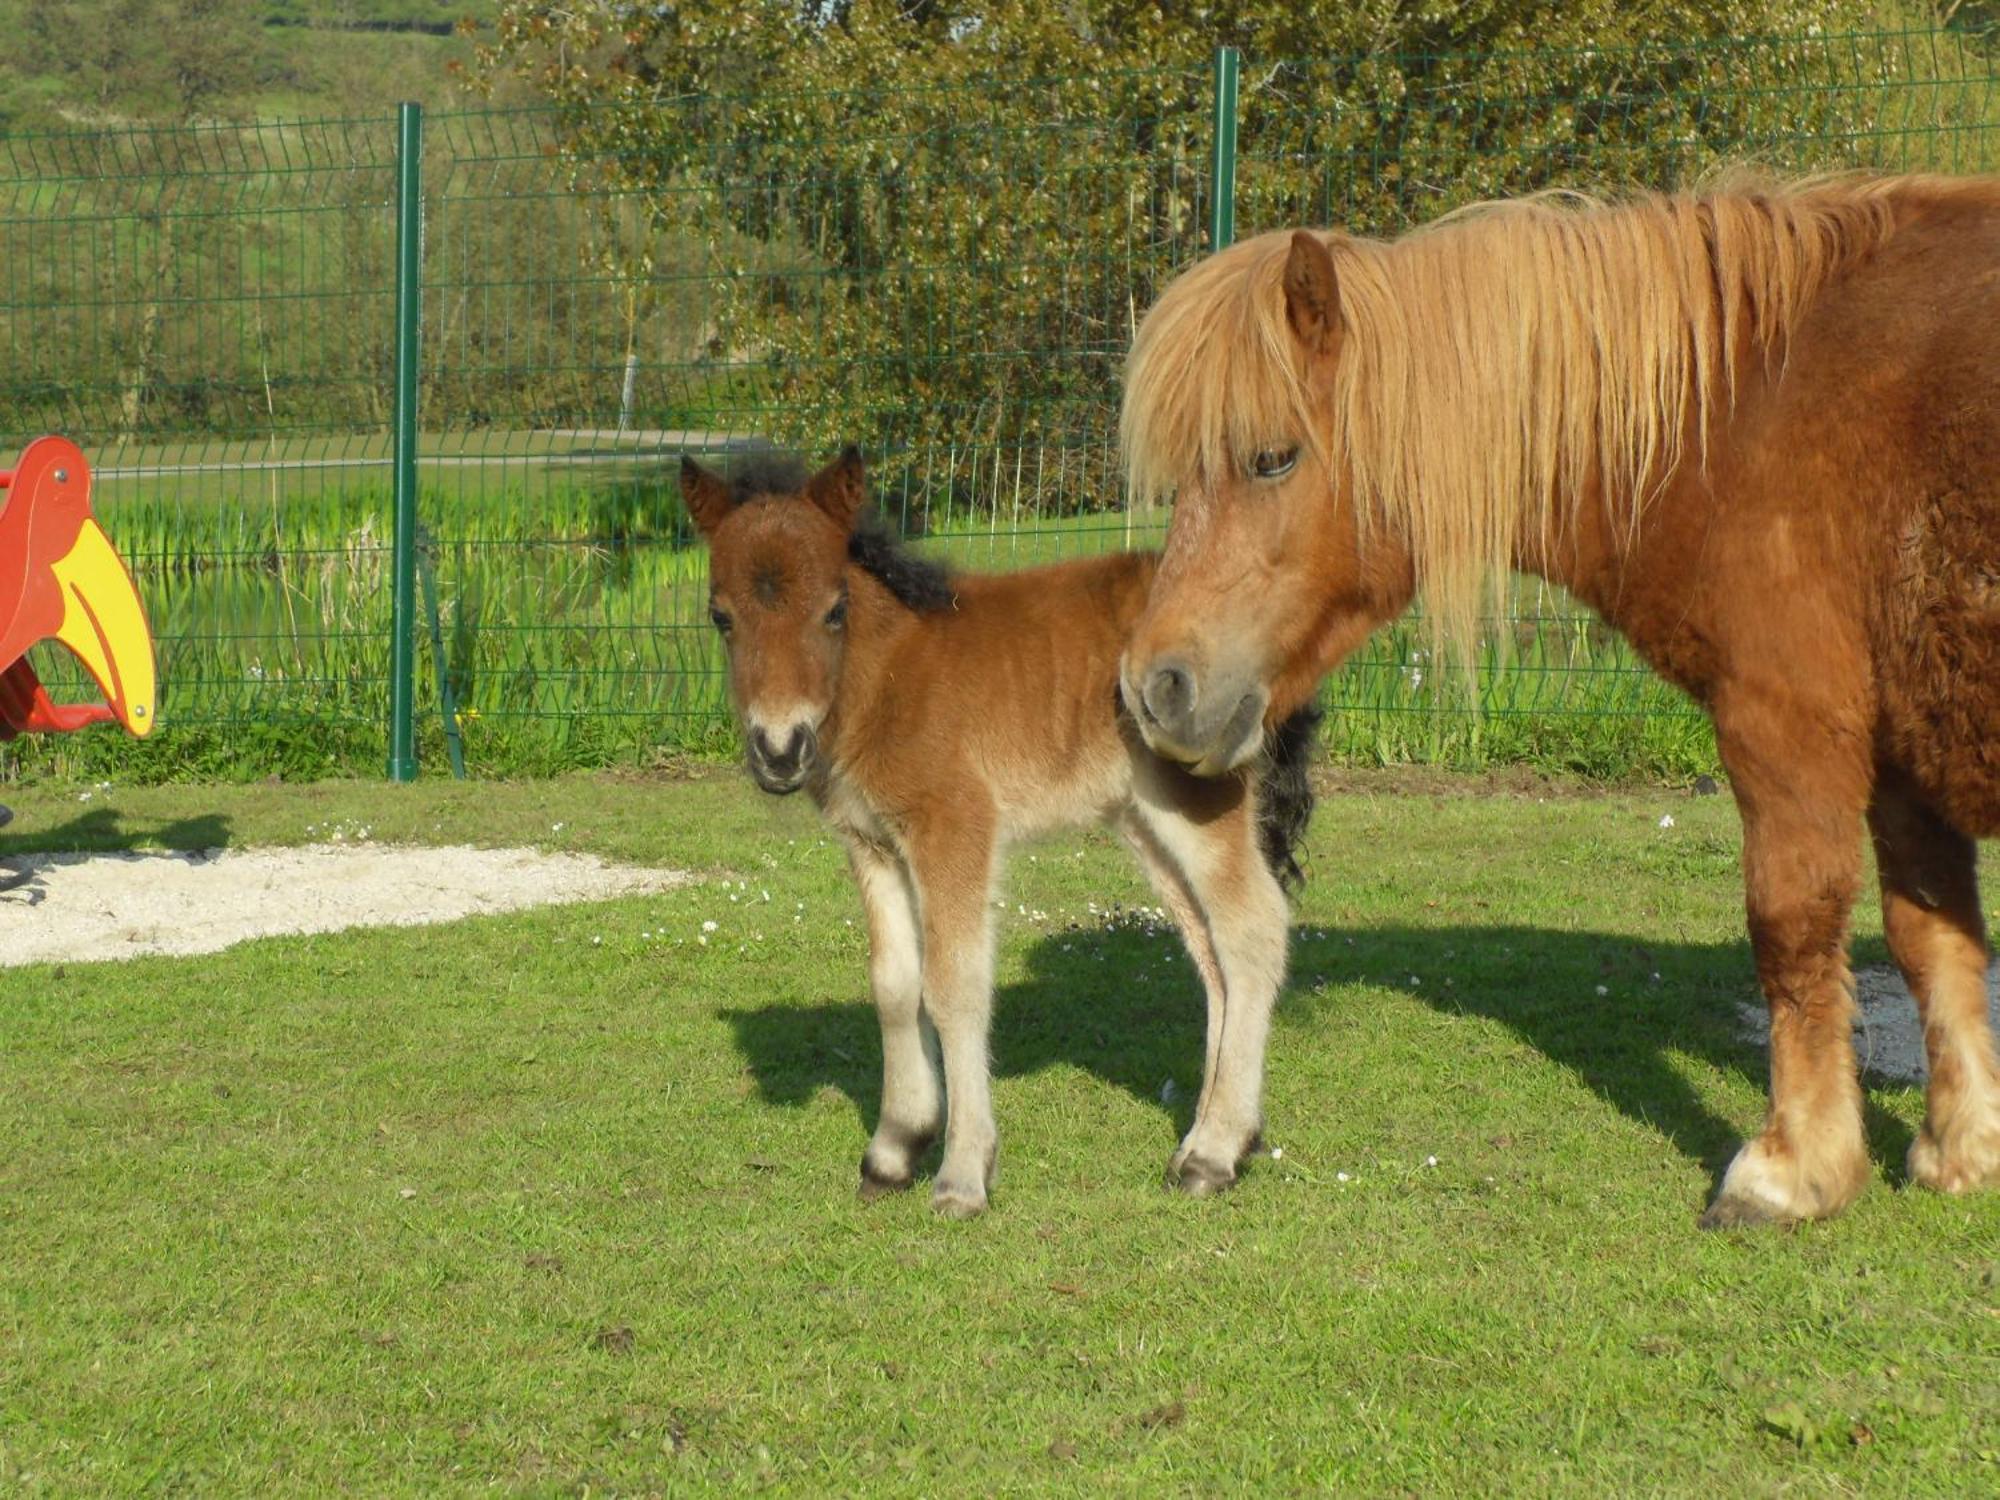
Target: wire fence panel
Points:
(932, 280)
(203, 310)
(949, 276)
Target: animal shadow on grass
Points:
(102, 828)
(1102, 1001)
(96, 831)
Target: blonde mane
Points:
(1496, 366)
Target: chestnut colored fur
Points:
(1759, 432)
(936, 718)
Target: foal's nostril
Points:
(782, 765)
(1169, 693)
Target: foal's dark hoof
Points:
(879, 1184)
(1199, 1177)
(1739, 1211)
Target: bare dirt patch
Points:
(84, 907)
(1887, 1035)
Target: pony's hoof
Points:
(1765, 1186)
(951, 1200)
(1199, 1177)
(1970, 1160)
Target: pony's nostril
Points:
(1169, 693)
(799, 748)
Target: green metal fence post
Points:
(1222, 135)
(403, 563)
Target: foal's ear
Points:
(840, 488)
(706, 495)
(1312, 294)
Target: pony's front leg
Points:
(912, 1103)
(953, 872)
(1234, 917)
(1801, 783)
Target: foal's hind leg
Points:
(1930, 914)
(912, 1104)
(1801, 786)
(1208, 856)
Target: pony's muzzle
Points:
(780, 770)
(1209, 727)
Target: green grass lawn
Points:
(564, 1202)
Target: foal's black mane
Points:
(918, 583)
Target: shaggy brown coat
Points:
(1758, 431)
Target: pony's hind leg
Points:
(1931, 916)
(912, 1103)
(1801, 794)
(952, 867)
(1233, 912)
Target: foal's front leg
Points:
(912, 1104)
(953, 872)
(1206, 862)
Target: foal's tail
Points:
(1285, 794)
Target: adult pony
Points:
(936, 717)
(1757, 430)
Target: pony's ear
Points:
(840, 488)
(1312, 294)
(706, 495)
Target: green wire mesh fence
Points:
(949, 276)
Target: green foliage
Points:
(948, 216)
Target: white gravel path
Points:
(84, 907)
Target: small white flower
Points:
(1602, 990)
(1341, 1177)
(1430, 1161)
(1666, 820)
(1277, 1153)
(708, 927)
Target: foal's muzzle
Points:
(1209, 724)
(781, 770)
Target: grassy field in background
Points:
(563, 1202)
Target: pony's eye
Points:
(837, 616)
(1275, 463)
(719, 618)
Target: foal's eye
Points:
(719, 618)
(837, 616)
(1275, 463)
